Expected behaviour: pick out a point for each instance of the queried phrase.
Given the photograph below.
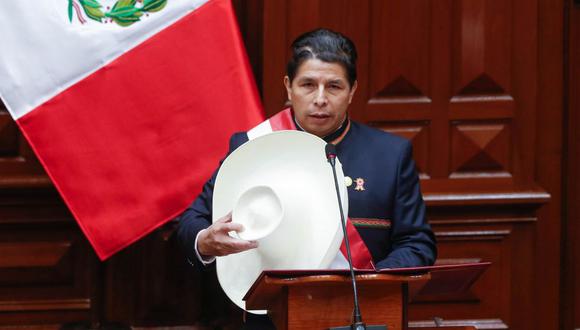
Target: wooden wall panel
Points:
(482, 45)
(546, 156)
(150, 284)
(18, 165)
(46, 265)
(449, 65)
(500, 234)
(480, 148)
(418, 134)
(489, 298)
(404, 73)
(571, 235)
(573, 201)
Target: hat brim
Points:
(294, 165)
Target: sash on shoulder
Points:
(361, 257)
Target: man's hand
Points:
(215, 241)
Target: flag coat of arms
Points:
(127, 104)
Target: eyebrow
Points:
(332, 81)
(336, 81)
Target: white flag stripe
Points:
(49, 54)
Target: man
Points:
(385, 202)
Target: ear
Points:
(352, 90)
(288, 85)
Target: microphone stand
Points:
(357, 324)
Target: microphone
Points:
(330, 151)
(357, 324)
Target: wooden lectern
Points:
(323, 299)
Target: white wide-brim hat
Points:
(281, 187)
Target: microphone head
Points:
(330, 150)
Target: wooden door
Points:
(452, 76)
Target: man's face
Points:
(320, 95)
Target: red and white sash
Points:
(361, 257)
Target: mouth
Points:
(319, 115)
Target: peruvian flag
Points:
(128, 104)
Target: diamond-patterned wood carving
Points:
(399, 61)
(483, 84)
(480, 148)
(482, 32)
(399, 87)
(418, 134)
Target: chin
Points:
(320, 132)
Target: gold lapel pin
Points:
(347, 181)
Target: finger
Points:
(225, 219)
(232, 226)
(233, 245)
(239, 245)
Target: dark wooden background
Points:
(486, 90)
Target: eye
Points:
(307, 84)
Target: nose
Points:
(320, 97)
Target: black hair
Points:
(327, 46)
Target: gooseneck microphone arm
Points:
(330, 150)
(357, 324)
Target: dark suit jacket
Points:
(389, 213)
